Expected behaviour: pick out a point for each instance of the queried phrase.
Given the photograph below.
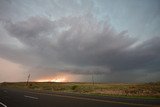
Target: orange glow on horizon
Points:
(58, 79)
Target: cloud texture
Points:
(80, 44)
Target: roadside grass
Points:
(137, 90)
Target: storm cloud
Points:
(81, 45)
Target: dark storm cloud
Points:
(80, 45)
(32, 31)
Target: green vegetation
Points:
(147, 90)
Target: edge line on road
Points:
(3, 104)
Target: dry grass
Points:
(141, 90)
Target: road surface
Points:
(23, 98)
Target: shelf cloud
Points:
(80, 45)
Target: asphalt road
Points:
(21, 98)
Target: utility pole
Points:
(28, 80)
(92, 79)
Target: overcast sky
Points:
(114, 40)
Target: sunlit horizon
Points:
(60, 79)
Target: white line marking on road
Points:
(30, 97)
(92, 99)
(3, 104)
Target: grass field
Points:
(145, 90)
